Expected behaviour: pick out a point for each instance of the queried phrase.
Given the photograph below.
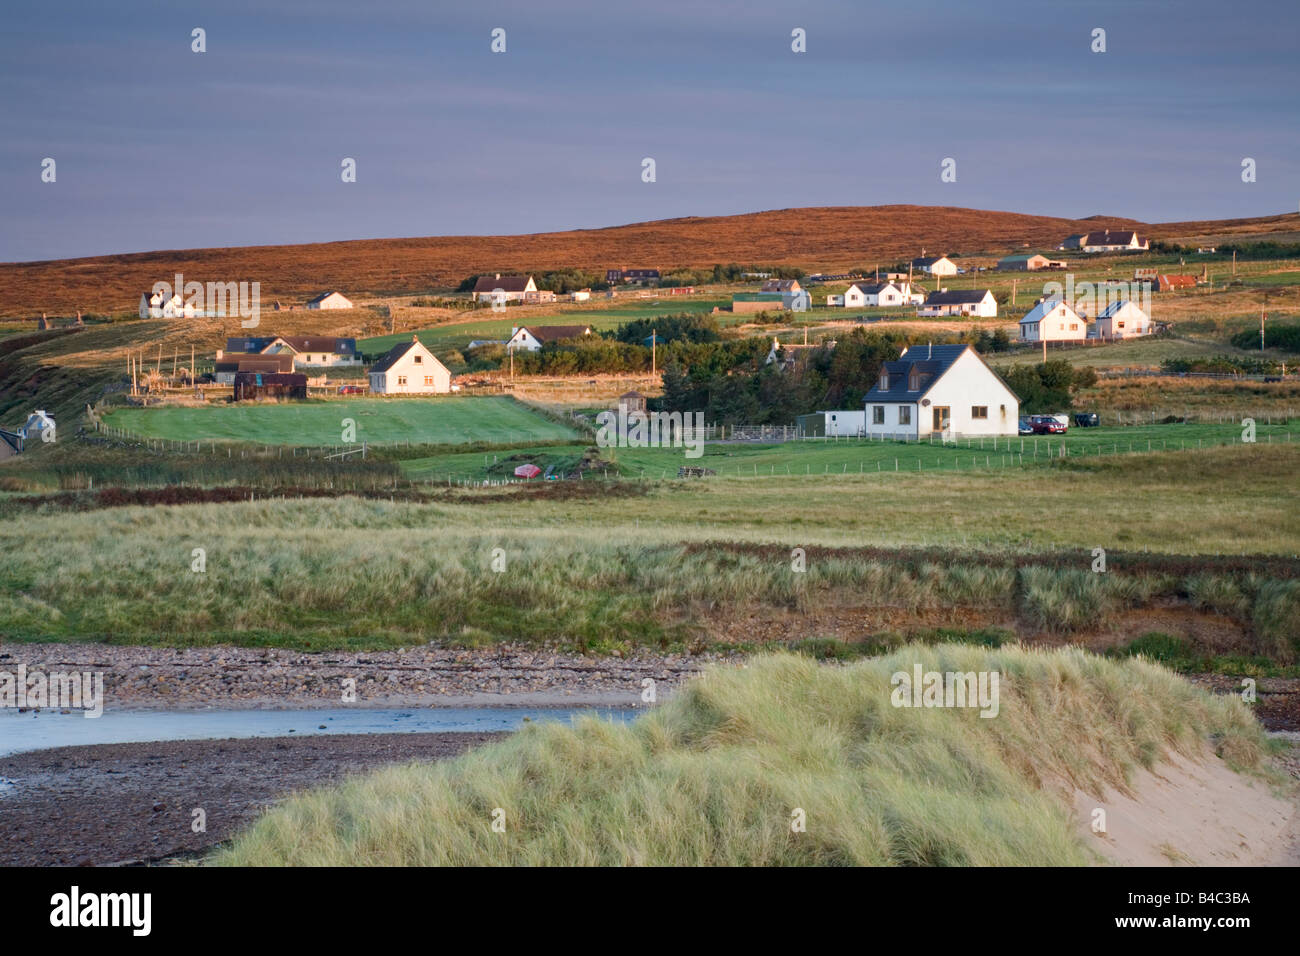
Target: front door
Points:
(941, 417)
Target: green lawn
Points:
(449, 420)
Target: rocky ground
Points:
(250, 678)
(135, 803)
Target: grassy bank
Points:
(716, 775)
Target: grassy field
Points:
(625, 563)
(821, 457)
(442, 420)
(715, 776)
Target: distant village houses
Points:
(975, 302)
(1028, 262)
(632, 276)
(330, 300)
(1053, 320)
(935, 265)
(503, 288)
(532, 337)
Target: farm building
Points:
(1167, 283)
(409, 368)
(1121, 320)
(1071, 242)
(254, 385)
(1051, 320)
(1027, 262)
(935, 265)
(539, 296)
(1122, 240)
(978, 302)
(330, 300)
(835, 301)
(842, 424)
(230, 364)
(757, 302)
(939, 389)
(781, 285)
(797, 301)
(533, 337)
(504, 288)
(581, 295)
(633, 401)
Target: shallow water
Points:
(33, 730)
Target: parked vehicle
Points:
(1046, 425)
(351, 389)
(1026, 427)
(1087, 420)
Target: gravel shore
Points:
(252, 678)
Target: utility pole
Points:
(654, 341)
(1013, 291)
(1234, 262)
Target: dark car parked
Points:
(1087, 420)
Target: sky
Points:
(159, 147)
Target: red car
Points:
(1046, 425)
(351, 389)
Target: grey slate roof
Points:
(957, 297)
(395, 353)
(930, 362)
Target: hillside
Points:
(821, 238)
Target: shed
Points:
(253, 385)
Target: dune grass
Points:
(716, 775)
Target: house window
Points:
(913, 380)
(877, 414)
(884, 380)
(428, 380)
(904, 414)
(1121, 325)
(419, 360)
(979, 411)
(401, 380)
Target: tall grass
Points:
(717, 775)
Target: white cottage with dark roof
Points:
(409, 369)
(944, 389)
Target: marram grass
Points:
(714, 775)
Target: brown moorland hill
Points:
(834, 237)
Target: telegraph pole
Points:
(654, 342)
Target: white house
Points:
(945, 389)
(1121, 240)
(1121, 320)
(503, 288)
(315, 351)
(533, 337)
(935, 265)
(154, 305)
(1051, 320)
(834, 301)
(978, 302)
(330, 300)
(581, 295)
(409, 369)
(39, 426)
(877, 294)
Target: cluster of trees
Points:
(1048, 387)
(1286, 337)
(681, 326)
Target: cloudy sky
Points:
(158, 147)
